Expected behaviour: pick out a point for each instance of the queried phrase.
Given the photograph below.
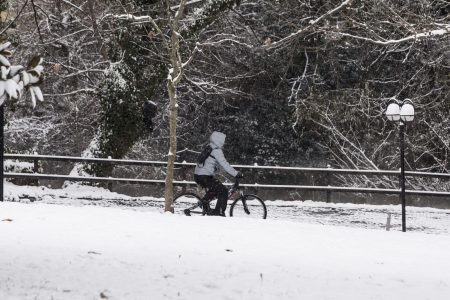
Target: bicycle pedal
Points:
(187, 212)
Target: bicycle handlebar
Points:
(235, 186)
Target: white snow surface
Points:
(54, 251)
(423, 219)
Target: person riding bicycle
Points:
(204, 174)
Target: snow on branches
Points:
(14, 79)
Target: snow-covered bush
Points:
(14, 79)
(16, 166)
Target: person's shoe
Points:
(217, 213)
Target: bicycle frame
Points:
(205, 211)
(235, 188)
(204, 202)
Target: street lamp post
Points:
(402, 113)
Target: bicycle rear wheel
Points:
(188, 204)
(248, 206)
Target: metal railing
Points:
(325, 188)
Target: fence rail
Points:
(255, 166)
(36, 158)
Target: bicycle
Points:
(245, 205)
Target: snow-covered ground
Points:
(50, 251)
(428, 220)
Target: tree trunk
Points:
(173, 145)
(175, 74)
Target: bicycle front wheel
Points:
(188, 204)
(248, 206)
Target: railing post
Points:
(328, 184)
(313, 191)
(256, 179)
(110, 183)
(36, 167)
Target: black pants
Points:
(211, 184)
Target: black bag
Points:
(149, 112)
(204, 155)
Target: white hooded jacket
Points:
(216, 159)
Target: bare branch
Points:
(12, 22)
(415, 37)
(72, 5)
(71, 93)
(294, 35)
(130, 17)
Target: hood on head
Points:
(217, 138)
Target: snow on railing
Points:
(328, 188)
(255, 166)
(248, 185)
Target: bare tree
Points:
(356, 57)
(175, 74)
(171, 37)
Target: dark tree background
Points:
(300, 83)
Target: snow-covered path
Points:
(89, 252)
(421, 219)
